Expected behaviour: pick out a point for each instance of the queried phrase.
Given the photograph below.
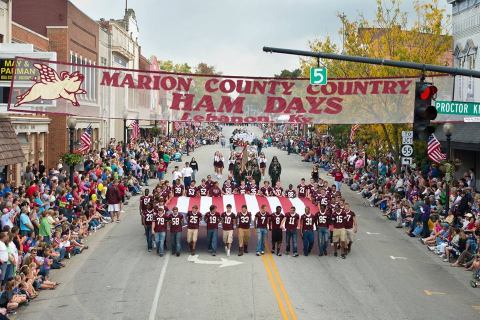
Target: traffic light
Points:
(424, 111)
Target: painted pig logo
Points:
(51, 86)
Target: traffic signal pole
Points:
(383, 62)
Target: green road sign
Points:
(458, 107)
(318, 76)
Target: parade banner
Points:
(94, 91)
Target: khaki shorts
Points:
(339, 235)
(350, 235)
(192, 235)
(227, 236)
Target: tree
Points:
(169, 66)
(203, 68)
(390, 35)
(287, 74)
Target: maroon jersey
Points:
(144, 201)
(338, 219)
(302, 190)
(244, 220)
(193, 219)
(165, 193)
(278, 191)
(228, 189)
(203, 190)
(267, 192)
(262, 219)
(242, 189)
(228, 218)
(160, 223)
(291, 222)
(148, 216)
(253, 189)
(290, 193)
(176, 222)
(215, 192)
(212, 220)
(349, 219)
(308, 221)
(323, 200)
(191, 191)
(178, 190)
(323, 219)
(209, 183)
(276, 221)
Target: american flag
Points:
(352, 131)
(86, 140)
(135, 130)
(433, 150)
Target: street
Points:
(387, 276)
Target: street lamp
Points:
(125, 116)
(448, 129)
(71, 123)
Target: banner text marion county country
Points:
(156, 95)
(200, 98)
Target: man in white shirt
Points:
(176, 174)
(3, 255)
(187, 172)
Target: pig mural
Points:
(51, 86)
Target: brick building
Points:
(75, 38)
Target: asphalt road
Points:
(387, 276)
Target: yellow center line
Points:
(275, 289)
(280, 283)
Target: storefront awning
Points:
(10, 149)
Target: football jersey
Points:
(323, 200)
(160, 223)
(203, 190)
(228, 218)
(323, 219)
(191, 191)
(209, 183)
(228, 189)
(276, 221)
(291, 222)
(278, 191)
(290, 193)
(144, 201)
(193, 219)
(212, 220)
(148, 216)
(302, 190)
(176, 222)
(178, 190)
(215, 192)
(253, 189)
(165, 193)
(349, 219)
(308, 221)
(262, 219)
(338, 219)
(242, 189)
(267, 192)
(244, 220)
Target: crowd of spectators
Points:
(45, 220)
(414, 198)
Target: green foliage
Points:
(287, 74)
(168, 65)
(203, 68)
(341, 134)
(72, 159)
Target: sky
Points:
(230, 34)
